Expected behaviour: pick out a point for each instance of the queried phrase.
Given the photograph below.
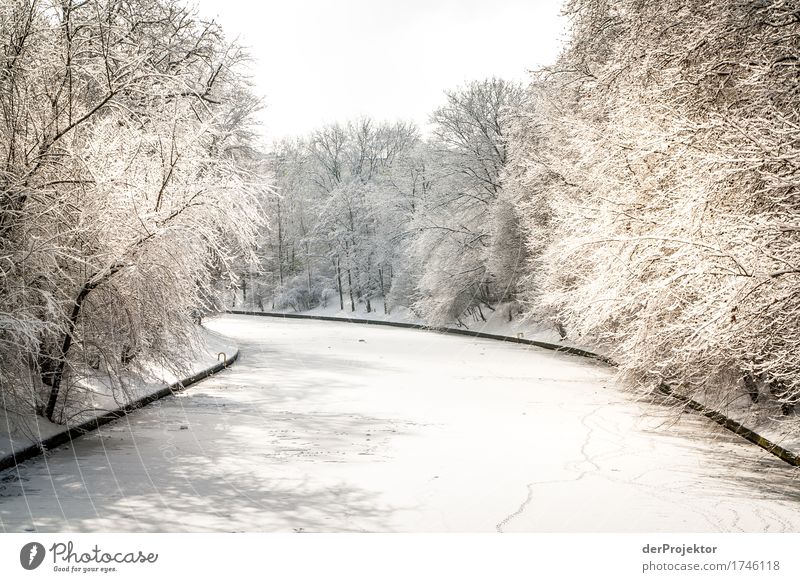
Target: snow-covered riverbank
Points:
(18, 434)
(495, 321)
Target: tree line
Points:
(371, 213)
(641, 194)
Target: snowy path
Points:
(338, 427)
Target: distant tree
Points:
(351, 170)
(388, 216)
(470, 133)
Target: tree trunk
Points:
(339, 281)
(280, 245)
(72, 322)
(350, 290)
(383, 292)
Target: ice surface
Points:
(323, 426)
(764, 417)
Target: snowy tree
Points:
(124, 131)
(352, 165)
(409, 221)
(661, 151)
(470, 134)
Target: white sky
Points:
(321, 61)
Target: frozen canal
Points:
(337, 427)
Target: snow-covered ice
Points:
(323, 426)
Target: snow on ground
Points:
(323, 426)
(764, 417)
(400, 314)
(17, 433)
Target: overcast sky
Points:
(319, 61)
